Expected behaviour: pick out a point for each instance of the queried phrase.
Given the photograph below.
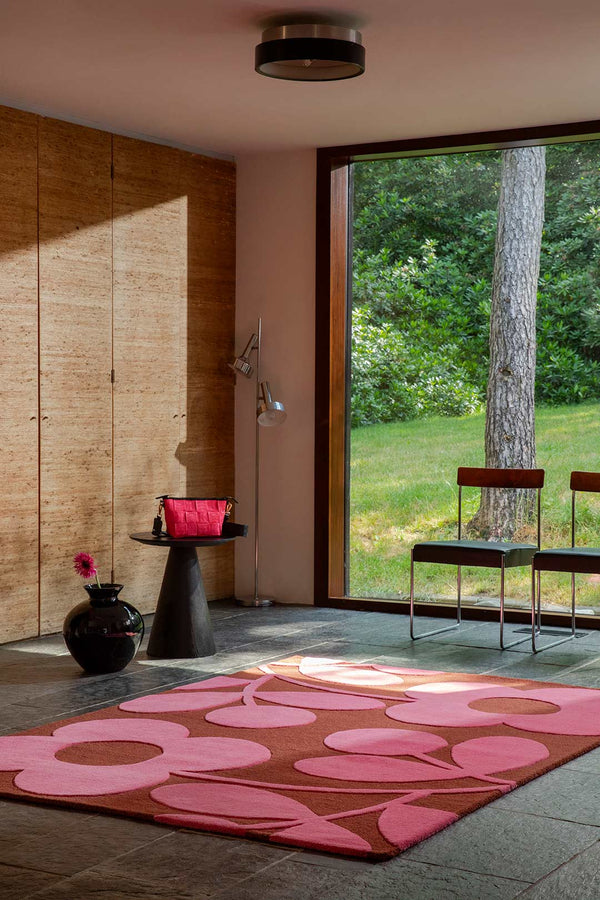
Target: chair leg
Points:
(562, 640)
(504, 646)
(417, 637)
(536, 609)
(533, 610)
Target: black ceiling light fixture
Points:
(313, 51)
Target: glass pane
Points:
(424, 270)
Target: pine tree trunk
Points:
(510, 409)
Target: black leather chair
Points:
(487, 554)
(564, 559)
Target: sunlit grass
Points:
(403, 489)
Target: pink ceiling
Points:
(182, 70)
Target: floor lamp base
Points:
(255, 601)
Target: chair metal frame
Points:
(484, 478)
(580, 481)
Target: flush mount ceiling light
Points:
(311, 52)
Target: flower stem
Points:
(98, 580)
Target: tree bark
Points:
(510, 409)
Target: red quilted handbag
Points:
(187, 517)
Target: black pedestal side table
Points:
(181, 628)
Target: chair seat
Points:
(568, 559)
(474, 553)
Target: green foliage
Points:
(394, 378)
(424, 233)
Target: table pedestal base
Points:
(181, 628)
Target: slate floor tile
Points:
(192, 861)
(527, 668)
(73, 848)
(588, 762)
(17, 883)
(92, 884)
(579, 676)
(21, 822)
(577, 879)
(491, 841)
(295, 880)
(482, 857)
(568, 794)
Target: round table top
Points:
(146, 537)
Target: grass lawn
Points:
(403, 489)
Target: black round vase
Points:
(103, 633)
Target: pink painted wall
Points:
(276, 280)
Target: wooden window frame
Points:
(333, 260)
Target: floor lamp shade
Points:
(269, 412)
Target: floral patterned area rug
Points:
(356, 759)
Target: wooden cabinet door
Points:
(19, 366)
(207, 346)
(75, 272)
(150, 263)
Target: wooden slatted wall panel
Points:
(149, 283)
(75, 359)
(19, 392)
(136, 273)
(207, 345)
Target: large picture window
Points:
(419, 249)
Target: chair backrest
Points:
(585, 481)
(582, 481)
(471, 476)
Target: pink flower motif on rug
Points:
(450, 703)
(373, 756)
(353, 758)
(222, 802)
(276, 709)
(289, 821)
(40, 772)
(358, 674)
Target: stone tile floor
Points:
(539, 843)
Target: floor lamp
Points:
(269, 412)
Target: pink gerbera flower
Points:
(85, 566)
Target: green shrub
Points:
(395, 379)
(424, 232)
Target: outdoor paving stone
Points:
(17, 883)
(492, 841)
(577, 879)
(192, 861)
(565, 794)
(295, 880)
